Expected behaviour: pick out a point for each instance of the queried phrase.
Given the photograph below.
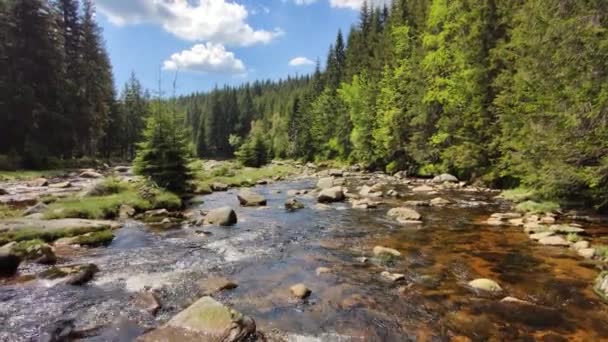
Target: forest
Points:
(508, 93)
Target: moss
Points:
(23, 248)
(167, 200)
(537, 207)
(94, 239)
(44, 235)
(7, 212)
(518, 195)
(385, 259)
(21, 175)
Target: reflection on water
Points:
(270, 249)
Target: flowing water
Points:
(271, 249)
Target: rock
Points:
(126, 211)
(417, 203)
(541, 235)
(565, 229)
(322, 270)
(393, 193)
(518, 222)
(325, 183)
(39, 182)
(65, 226)
(394, 277)
(587, 253)
(61, 330)
(601, 285)
(438, 201)
(214, 285)
(404, 215)
(3, 192)
(321, 206)
(224, 216)
(336, 172)
(400, 175)
(373, 191)
(249, 198)
(40, 253)
(486, 285)
(423, 188)
(293, 204)
(492, 221)
(505, 216)
(72, 274)
(580, 245)
(36, 209)
(90, 174)
(364, 260)
(445, 177)
(157, 213)
(379, 250)
(121, 169)
(364, 204)
(292, 193)
(515, 300)
(547, 220)
(553, 241)
(147, 300)
(334, 194)
(207, 320)
(217, 186)
(62, 185)
(166, 220)
(9, 261)
(300, 291)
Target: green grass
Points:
(518, 195)
(235, 175)
(99, 207)
(22, 247)
(109, 186)
(95, 239)
(7, 212)
(44, 235)
(601, 251)
(28, 174)
(537, 207)
(573, 237)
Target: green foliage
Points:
(573, 237)
(108, 186)
(43, 234)
(254, 152)
(518, 195)
(537, 207)
(102, 207)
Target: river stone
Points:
(126, 211)
(445, 177)
(39, 182)
(325, 183)
(404, 215)
(365, 203)
(224, 216)
(62, 185)
(417, 203)
(554, 241)
(250, 198)
(91, 174)
(438, 201)
(393, 193)
(147, 300)
(486, 285)
(506, 216)
(207, 320)
(71, 274)
(36, 209)
(40, 253)
(565, 229)
(322, 270)
(373, 191)
(213, 285)
(423, 188)
(542, 235)
(547, 220)
(9, 261)
(293, 204)
(587, 253)
(379, 250)
(336, 173)
(122, 169)
(334, 194)
(217, 186)
(394, 277)
(300, 291)
(493, 221)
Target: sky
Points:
(217, 42)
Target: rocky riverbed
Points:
(333, 255)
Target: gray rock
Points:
(293, 204)
(445, 177)
(554, 241)
(334, 194)
(224, 216)
(300, 291)
(250, 198)
(404, 215)
(217, 186)
(9, 261)
(90, 174)
(325, 183)
(36, 209)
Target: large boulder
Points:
(9, 260)
(334, 194)
(445, 177)
(325, 183)
(39, 182)
(207, 320)
(224, 216)
(404, 215)
(249, 198)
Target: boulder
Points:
(214, 285)
(39, 182)
(438, 202)
(445, 177)
(334, 194)
(365, 203)
(207, 320)
(126, 211)
(9, 261)
(217, 186)
(580, 245)
(71, 274)
(293, 204)
(90, 174)
(379, 250)
(554, 241)
(484, 284)
(249, 198)
(394, 277)
(35, 209)
(300, 291)
(62, 185)
(565, 229)
(224, 216)
(404, 215)
(587, 253)
(336, 173)
(40, 252)
(373, 191)
(325, 183)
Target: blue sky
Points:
(211, 42)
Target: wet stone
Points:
(486, 285)
(214, 285)
(300, 291)
(554, 241)
(393, 277)
(379, 250)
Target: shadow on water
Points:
(270, 249)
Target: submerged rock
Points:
(9, 261)
(250, 198)
(224, 216)
(334, 194)
(213, 285)
(438, 201)
(293, 204)
(394, 277)
(207, 320)
(379, 250)
(300, 291)
(486, 285)
(405, 215)
(71, 274)
(148, 301)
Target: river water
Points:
(271, 249)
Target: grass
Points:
(235, 175)
(95, 239)
(518, 195)
(44, 235)
(573, 237)
(109, 186)
(20, 175)
(601, 251)
(537, 207)
(7, 212)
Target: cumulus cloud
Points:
(356, 4)
(298, 61)
(209, 57)
(219, 21)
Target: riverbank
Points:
(354, 255)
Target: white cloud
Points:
(304, 2)
(220, 21)
(356, 4)
(298, 61)
(207, 57)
